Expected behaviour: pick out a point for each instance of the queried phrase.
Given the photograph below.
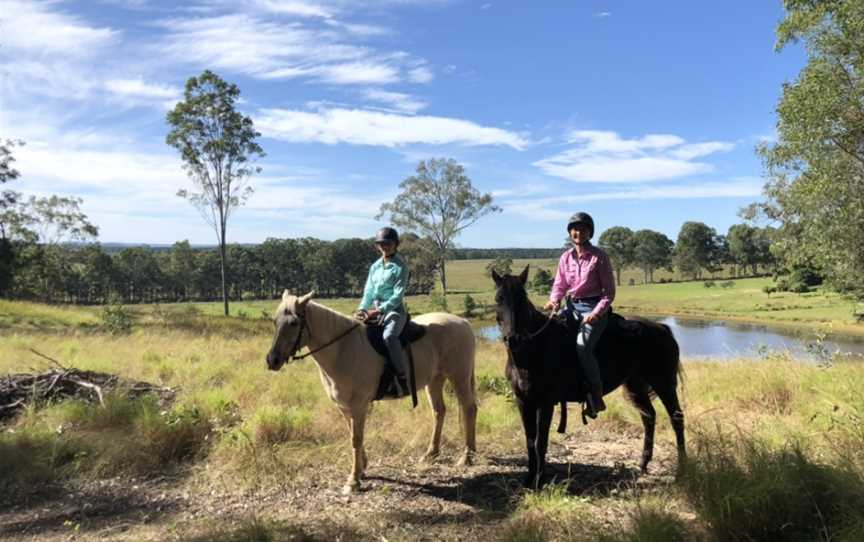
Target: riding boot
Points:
(401, 385)
(594, 399)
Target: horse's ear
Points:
(305, 299)
(496, 277)
(523, 276)
(285, 295)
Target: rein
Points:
(305, 325)
(544, 326)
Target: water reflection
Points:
(717, 339)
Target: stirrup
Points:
(592, 408)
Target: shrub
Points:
(542, 282)
(470, 306)
(438, 301)
(709, 284)
(727, 284)
(115, 318)
(769, 290)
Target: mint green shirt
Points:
(386, 284)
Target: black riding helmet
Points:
(581, 218)
(387, 235)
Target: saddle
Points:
(410, 333)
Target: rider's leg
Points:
(394, 322)
(585, 342)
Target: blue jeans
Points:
(393, 324)
(587, 339)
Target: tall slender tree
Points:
(217, 145)
(438, 202)
(617, 241)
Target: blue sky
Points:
(644, 114)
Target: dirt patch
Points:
(397, 501)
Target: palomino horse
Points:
(543, 369)
(350, 368)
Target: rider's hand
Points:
(372, 314)
(591, 318)
(361, 315)
(551, 305)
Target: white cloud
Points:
(603, 156)
(555, 208)
(404, 103)
(293, 7)
(270, 49)
(31, 27)
(362, 127)
(138, 88)
(487, 5)
(603, 14)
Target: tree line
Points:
(88, 274)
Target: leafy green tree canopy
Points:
(618, 244)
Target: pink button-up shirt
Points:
(588, 275)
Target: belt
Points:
(589, 300)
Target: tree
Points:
(543, 280)
(743, 247)
(695, 248)
(217, 145)
(815, 170)
(618, 244)
(438, 202)
(502, 264)
(651, 250)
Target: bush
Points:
(542, 282)
(470, 306)
(769, 290)
(727, 284)
(438, 301)
(709, 284)
(115, 318)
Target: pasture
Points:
(247, 454)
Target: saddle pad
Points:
(410, 333)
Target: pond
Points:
(718, 339)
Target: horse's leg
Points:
(434, 392)
(529, 413)
(358, 423)
(364, 458)
(669, 397)
(638, 392)
(544, 420)
(468, 406)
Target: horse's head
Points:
(290, 321)
(512, 308)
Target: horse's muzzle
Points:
(274, 362)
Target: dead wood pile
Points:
(59, 383)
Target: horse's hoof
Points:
(351, 488)
(466, 460)
(429, 458)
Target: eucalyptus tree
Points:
(696, 248)
(651, 251)
(217, 145)
(438, 202)
(815, 169)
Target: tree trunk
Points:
(222, 266)
(441, 267)
(618, 275)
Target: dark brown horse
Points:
(543, 369)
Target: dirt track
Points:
(418, 502)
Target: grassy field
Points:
(777, 447)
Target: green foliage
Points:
(618, 242)
(815, 169)
(709, 284)
(696, 249)
(652, 250)
(438, 301)
(726, 284)
(502, 264)
(116, 319)
(748, 490)
(542, 282)
(438, 203)
(470, 306)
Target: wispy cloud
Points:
(557, 208)
(603, 156)
(33, 27)
(138, 88)
(274, 49)
(487, 5)
(361, 127)
(603, 14)
(403, 103)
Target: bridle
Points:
(533, 334)
(304, 324)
